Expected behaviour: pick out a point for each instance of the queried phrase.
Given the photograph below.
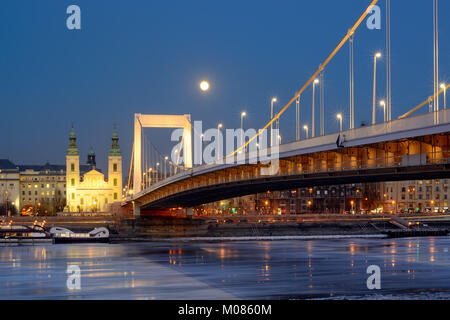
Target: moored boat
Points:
(63, 235)
(20, 234)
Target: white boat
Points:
(19, 234)
(63, 235)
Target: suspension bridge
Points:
(408, 148)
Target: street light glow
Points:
(316, 81)
(378, 55)
(443, 86)
(339, 116)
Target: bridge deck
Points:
(407, 128)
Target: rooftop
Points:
(5, 164)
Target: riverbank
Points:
(157, 228)
(154, 229)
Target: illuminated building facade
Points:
(416, 196)
(91, 192)
(9, 184)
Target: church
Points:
(92, 192)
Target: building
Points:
(43, 187)
(91, 192)
(416, 196)
(325, 199)
(9, 186)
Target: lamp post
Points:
(339, 117)
(165, 166)
(271, 117)
(297, 119)
(243, 114)
(313, 109)
(444, 87)
(383, 104)
(307, 131)
(6, 200)
(375, 57)
(157, 171)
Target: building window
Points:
(73, 196)
(72, 182)
(72, 167)
(115, 195)
(115, 167)
(115, 182)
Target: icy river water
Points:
(416, 268)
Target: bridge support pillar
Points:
(136, 210)
(190, 212)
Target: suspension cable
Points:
(311, 79)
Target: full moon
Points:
(204, 85)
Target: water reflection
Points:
(249, 270)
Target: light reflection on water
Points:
(227, 270)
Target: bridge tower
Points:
(159, 121)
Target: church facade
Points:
(91, 192)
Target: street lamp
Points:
(375, 57)
(243, 114)
(383, 104)
(339, 117)
(6, 200)
(313, 100)
(307, 131)
(271, 117)
(444, 87)
(165, 166)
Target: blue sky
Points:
(145, 56)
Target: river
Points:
(416, 268)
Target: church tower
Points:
(115, 168)
(91, 159)
(72, 171)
